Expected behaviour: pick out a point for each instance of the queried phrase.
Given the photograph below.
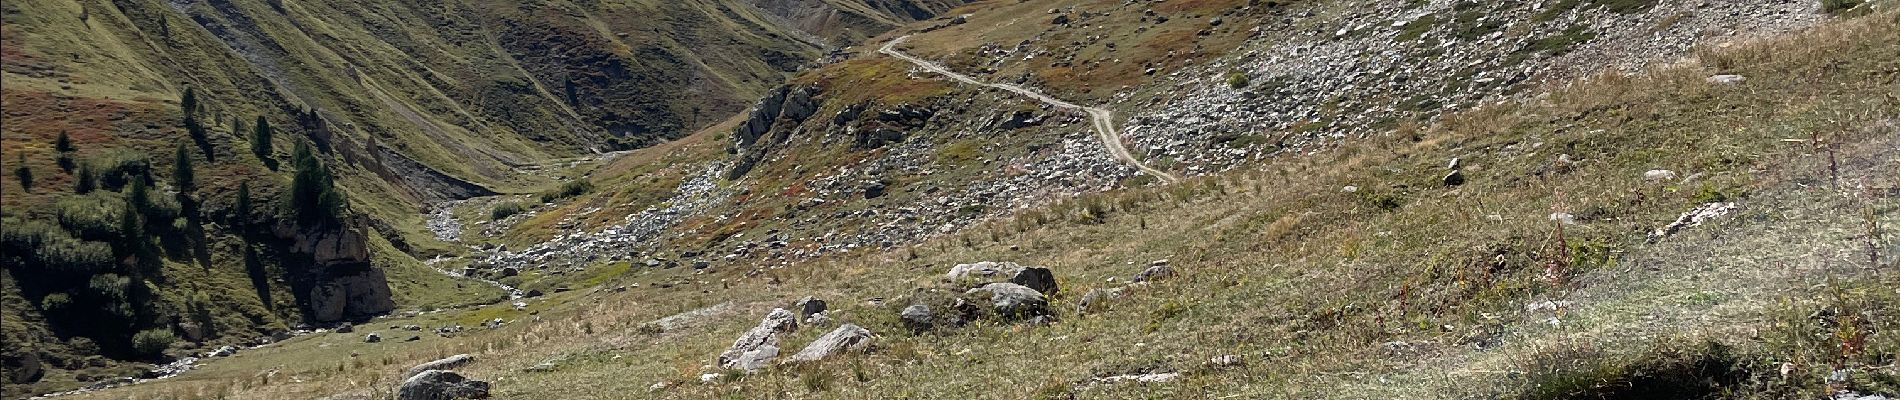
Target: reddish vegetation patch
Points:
(793, 190)
(13, 54)
(40, 116)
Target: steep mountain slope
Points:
(401, 105)
(872, 152)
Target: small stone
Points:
(917, 318)
(1038, 278)
(819, 319)
(1659, 175)
(1225, 361)
(1726, 79)
(1455, 178)
(1095, 298)
(1155, 272)
(808, 306)
(372, 337)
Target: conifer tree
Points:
(20, 170)
(260, 138)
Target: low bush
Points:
(1238, 80)
(505, 210)
(567, 190)
(153, 342)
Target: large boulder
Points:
(441, 385)
(846, 337)
(776, 323)
(448, 363)
(23, 367)
(1013, 301)
(350, 291)
(341, 283)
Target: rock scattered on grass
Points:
(848, 337)
(441, 385)
(766, 334)
(444, 364)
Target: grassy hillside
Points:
(1350, 272)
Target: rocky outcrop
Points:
(778, 113)
(339, 282)
(429, 184)
(848, 337)
(760, 343)
(441, 385)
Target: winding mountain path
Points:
(1101, 118)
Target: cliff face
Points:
(339, 282)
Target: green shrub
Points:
(69, 255)
(1238, 80)
(91, 216)
(505, 210)
(55, 302)
(153, 342)
(118, 167)
(572, 188)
